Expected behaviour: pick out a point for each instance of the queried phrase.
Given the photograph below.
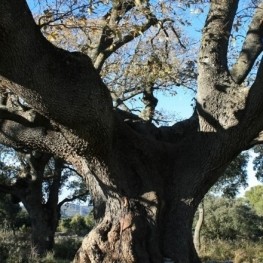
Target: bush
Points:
(66, 247)
(15, 248)
(64, 225)
(77, 225)
(230, 219)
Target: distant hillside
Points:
(69, 210)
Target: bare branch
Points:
(178, 37)
(251, 49)
(119, 101)
(73, 170)
(75, 197)
(109, 45)
(48, 22)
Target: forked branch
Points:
(110, 40)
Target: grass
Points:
(17, 249)
(234, 251)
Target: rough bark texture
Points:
(147, 181)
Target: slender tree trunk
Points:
(198, 226)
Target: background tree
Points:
(36, 180)
(235, 177)
(139, 172)
(258, 162)
(255, 198)
(230, 219)
(228, 186)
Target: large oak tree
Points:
(146, 181)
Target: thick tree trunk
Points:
(44, 222)
(149, 215)
(43, 227)
(178, 236)
(136, 231)
(124, 235)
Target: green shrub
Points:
(89, 221)
(14, 248)
(230, 219)
(64, 225)
(78, 225)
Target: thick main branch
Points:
(216, 33)
(63, 86)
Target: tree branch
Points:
(112, 18)
(251, 49)
(216, 33)
(73, 170)
(119, 101)
(18, 136)
(66, 200)
(56, 183)
(109, 45)
(254, 108)
(257, 140)
(150, 103)
(47, 21)
(18, 116)
(54, 81)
